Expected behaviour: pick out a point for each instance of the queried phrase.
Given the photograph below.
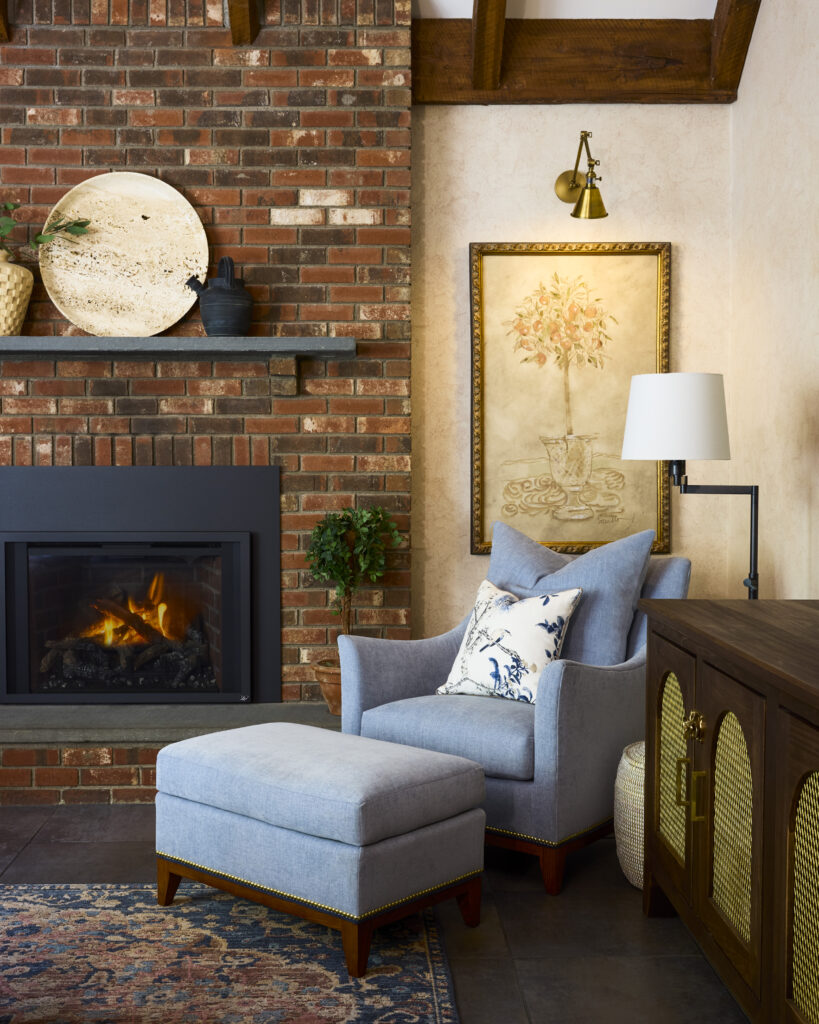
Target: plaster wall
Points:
(774, 366)
(486, 174)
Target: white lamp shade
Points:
(676, 416)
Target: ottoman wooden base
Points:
(356, 935)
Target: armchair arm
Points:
(375, 672)
(584, 716)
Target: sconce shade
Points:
(590, 204)
(676, 416)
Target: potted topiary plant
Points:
(348, 548)
(16, 282)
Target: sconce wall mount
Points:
(571, 187)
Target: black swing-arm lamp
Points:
(683, 414)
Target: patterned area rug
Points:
(109, 953)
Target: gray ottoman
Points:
(339, 829)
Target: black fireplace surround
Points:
(139, 585)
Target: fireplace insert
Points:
(114, 614)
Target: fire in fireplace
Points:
(101, 612)
(113, 621)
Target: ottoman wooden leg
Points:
(469, 903)
(166, 883)
(356, 938)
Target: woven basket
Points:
(628, 811)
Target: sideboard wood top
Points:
(779, 638)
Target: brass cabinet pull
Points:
(681, 763)
(694, 725)
(697, 777)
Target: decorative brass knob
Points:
(694, 726)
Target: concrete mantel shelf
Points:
(174, 348)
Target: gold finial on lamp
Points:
(586, 197)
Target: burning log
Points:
(128, 618)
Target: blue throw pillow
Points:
(611, 578)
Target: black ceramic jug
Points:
(225, 306)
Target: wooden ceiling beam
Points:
(570, 61)
(732, 28)
(4, 22)
(488, 23)
(243, 16)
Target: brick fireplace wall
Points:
(295, 152)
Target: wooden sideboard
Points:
(732, 792)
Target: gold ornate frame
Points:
(490, 408)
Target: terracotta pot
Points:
(328, 676)
(15, 290)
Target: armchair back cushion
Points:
(611, 578)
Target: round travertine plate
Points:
(126, 277)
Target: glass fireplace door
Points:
(132, 620)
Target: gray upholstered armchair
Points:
(549, 766)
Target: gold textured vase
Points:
(15, 290)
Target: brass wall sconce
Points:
(570, 188)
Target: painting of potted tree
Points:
(564, 324)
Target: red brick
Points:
(151, 117)
(178, 368)
(136, 755)
(123, 776)
(22, 451)
(15, 424)
(123, 451)
(214, 387)
(21, 756)
(383, 463)
(358, 406)
(52, 115)
(357, 255)
(28, 797)
(54, 387)
(78, 368)
(383, 425)
(83, 756)
(137, 795)
(134, 369)
(56, 776)
(13, 368)
(202, 451)
(109, 425)
(271, 425)
(86, 796)
(14, 777)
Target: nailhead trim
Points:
(311, 903)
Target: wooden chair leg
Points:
(552, 865)
(166, 883)
(469, 903)
(356, 938)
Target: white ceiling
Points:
(572, 8)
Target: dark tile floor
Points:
(583, 957)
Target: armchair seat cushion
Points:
(498, 734)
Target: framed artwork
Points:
(558, 330)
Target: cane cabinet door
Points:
(727, 811)
(796, 996)
(670, 695)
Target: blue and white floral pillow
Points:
(508, 642)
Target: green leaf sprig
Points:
(48, 234)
